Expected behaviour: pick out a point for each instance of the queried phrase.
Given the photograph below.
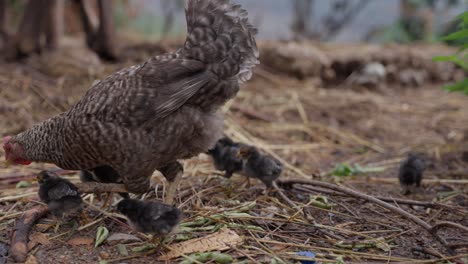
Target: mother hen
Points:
(146, 117)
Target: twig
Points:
(285, 198)
(250, 113)
(427, 251)
(395, 180)
(459, 244)
(385, 199)
(386, 205)
(19, 239)
(439, 225)
(94, 187)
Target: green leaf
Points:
(457, 87)
(101, 235)
(463, 16)
(461, 34)
(320, 202)
(144, 247)
(345, 169)
(23, 184)
(215, 256)
(122, 250)
(339, 260)
(453, 58)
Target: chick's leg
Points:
(173, 173)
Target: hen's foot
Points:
(172, 189)
(173, 173)
(108, 200)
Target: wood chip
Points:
(78, 241)
(222, 240)
(37, 238)
(121, 237)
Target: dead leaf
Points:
(31, 260)
(222, 240)
(77, 241)
(37, 238)
(122, 237)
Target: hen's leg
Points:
(109, 197)
(173, 173)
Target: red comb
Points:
(6, 140)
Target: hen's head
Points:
(14, 152)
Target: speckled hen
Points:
(146, 117)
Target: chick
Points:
(411, 172)
(256, 165)
(225, 157)
(60, 195)
(154, 218)
(103, 174)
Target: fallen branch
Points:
(385, 199)
(439, 225)
(285, 198)
(94, 187)
(386, 205)
(19, 238)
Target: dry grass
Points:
(310, 129)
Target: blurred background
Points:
(342, 21)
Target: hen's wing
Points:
(140, 94)
(60, 190)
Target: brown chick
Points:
(256, 165)
(146, 117)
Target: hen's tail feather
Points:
(220, 34)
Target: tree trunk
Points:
(303, 13)
(29, 33)
(89, 20)
(100, 33)
(105, 44)
(54, 25)
(3, 16)
(4, 35)
(28, 38)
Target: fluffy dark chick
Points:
(411, 172)
(150, 217)
(256, 165)
(60, 195)
(225, 156)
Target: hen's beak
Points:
(7, 163)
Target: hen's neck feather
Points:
(43, 142)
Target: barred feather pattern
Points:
(144, 117)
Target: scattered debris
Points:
(222, 240)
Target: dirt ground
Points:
(310, 124)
